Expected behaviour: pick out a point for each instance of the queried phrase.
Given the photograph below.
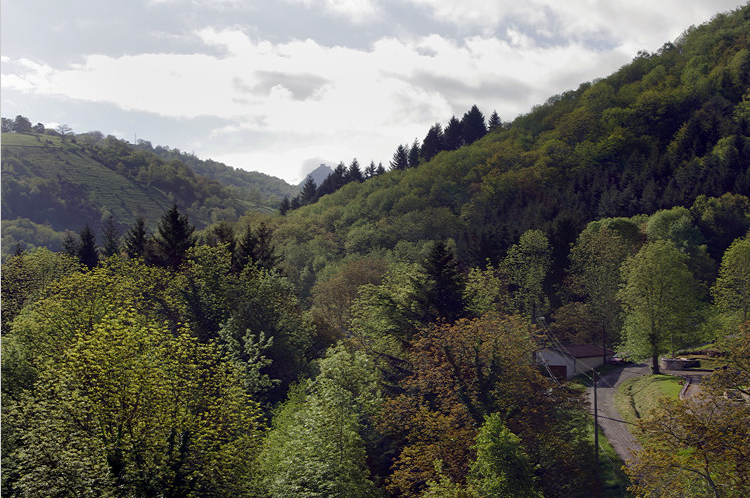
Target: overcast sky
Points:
(281, 86)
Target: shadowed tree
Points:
(453, 135)
(433, 142)
(414, 154)
(473, 125)
(110, 238)
(494, 121)
(400, 158)
(88, 253)
(136, 239)
(175, 237)
(438, 291)
(309, 192)
(354, 173)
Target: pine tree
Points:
(494, 121)
(136, 239)
(438, 293)
(284, 206)
(370, 170)
(87, 251)
(70, 244)
(433, 143)
(380, 170)
(110, 238)
(400, 159)
(174, 239)
(309, 192)
(354, 173)
(414, 154)
(453, 135)
(473, 125)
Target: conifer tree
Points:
(88, 253)
(354, 173)
(453, 136)
(309, 192)
(136, 239)
(284, 206)
(494, 121)
(414, 154)
(380, 170)
(400, 158)
(174, 239)
(370, 170)
(473, 125)
(433, 143)
(438, 292)
(110, 238)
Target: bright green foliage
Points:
(595, 276)
(129, 409)
(26, 277)
(659, 297)
(502, 468)
(526, 266)
(317, 445)
(732, 289)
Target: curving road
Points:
(614, 427)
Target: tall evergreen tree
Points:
(433, 143)
(380, 170)
(70, 244)
(354, 173)
(284, 206)
(175, 237)
(494, 121)
(453, 135)
(473, 125)
(309, 192)
(400, 158)
(88, 253)
(136, 239)
(110, 238)
(438, 292)
(414, 154)
(370, 170)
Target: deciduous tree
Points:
(659, 297)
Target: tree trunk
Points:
(655, 364)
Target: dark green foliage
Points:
(472, 125)
(354, 173)
(136, 239)
(438, 290)
(494, 121)
(309, 192)
(175, 237)
(454, 135)
(284, 206)
(88, 253)
(400, 159)
(256, 247)
(414, 154)
(433, 143)
(110, 238)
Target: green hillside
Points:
(50, 185)
(661, 131)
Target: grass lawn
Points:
(636, 397)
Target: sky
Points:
(281, 86)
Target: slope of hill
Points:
(658, 133)
(258, 188)
(51, 185)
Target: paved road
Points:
(614, 427)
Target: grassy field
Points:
(636, 397)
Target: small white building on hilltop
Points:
(568, 361)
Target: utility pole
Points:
(596, 433)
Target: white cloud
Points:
(357, 11)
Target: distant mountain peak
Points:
(318, 174)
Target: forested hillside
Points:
(378, 339)
(53, 183)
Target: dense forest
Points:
(378, 339)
